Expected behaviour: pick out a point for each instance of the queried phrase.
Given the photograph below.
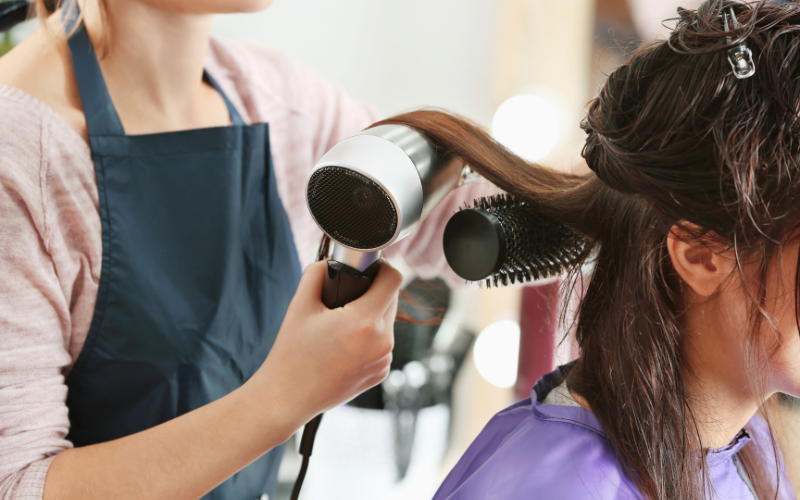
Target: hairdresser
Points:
(157, 339)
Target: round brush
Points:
(504, 240)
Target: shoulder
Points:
(254, 59)
(40, 68)
(32, 131)
(521, 455)
(262, 72)
(265, 77)
(762, 439)
(21, 130)
(42, 162)
(767, 447)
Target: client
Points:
(689, 323)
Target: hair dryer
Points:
(366, 193)
(370, 191)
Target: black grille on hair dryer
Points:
(351, 208)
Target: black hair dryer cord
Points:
(306, 445)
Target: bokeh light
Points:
(496, 353)
(528, 125)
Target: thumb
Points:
(309, 291)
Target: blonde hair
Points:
(43, 9)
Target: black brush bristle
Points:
(525, 245)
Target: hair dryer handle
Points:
(344, 284)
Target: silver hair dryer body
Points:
(368, 192)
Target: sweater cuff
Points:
(30, 485)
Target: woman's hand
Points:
(325, 357)
(321, 358)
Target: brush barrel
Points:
(506, 241)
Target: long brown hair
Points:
(672, 137)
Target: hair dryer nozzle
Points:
(372, 189)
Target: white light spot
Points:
(496, 353)
(527, 125)
(416, 374)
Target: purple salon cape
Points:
(533, 450)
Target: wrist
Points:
(277, 412)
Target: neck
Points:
(721, 394)
(152, 60)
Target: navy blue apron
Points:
(199, 267)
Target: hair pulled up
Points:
(672, 137)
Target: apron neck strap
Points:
(236, 118)
(101, 116)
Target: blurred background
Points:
(524, 69)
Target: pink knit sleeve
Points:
(34, 314)
(334, 113)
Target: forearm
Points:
(320, 359)
(179, 460)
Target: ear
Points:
(698, 265)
